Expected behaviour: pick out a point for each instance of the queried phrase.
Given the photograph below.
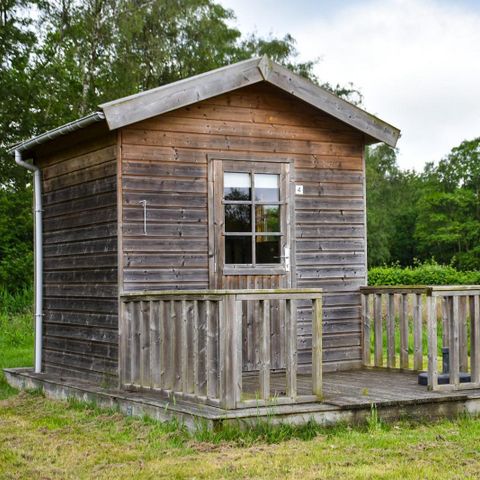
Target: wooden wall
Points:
(80, 235)
(164, 161)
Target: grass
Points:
(40, 438)
(16, 334)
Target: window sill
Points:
(265, 270)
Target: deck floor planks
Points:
(356, 387)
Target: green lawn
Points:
(43, 439)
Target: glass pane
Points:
(238, 218)
(267, 249)
(237, 186)
(238, 250)
(267, 218)
(267, 187)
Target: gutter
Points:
(38, 224)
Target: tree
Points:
(391, 208)
(448, 225)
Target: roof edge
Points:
(141, 106)
(57, 132)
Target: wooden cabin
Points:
(205, 235)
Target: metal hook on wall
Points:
(144, 203)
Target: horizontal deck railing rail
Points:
(412, 327)
(188, 344)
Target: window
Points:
(252, 218)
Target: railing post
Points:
(432, 342)
(230, 325)
(317, 353)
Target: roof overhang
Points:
(141, 106)
(125, 111)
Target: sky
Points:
(416, 62)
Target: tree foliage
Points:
(60, 59)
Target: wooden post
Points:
(264, 340)
(317, 353)
(417, 332)
(378, 331)
(366, 328)
(432, 343)
(291, 347)
(391, 331)
(404, 331)
(230, 326)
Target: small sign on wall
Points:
(299, 189)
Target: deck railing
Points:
(412, 327)
(188, 344)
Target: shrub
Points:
(428, 273)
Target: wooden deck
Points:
(359, 387)
(349, 397)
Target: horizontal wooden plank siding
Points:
(80, 257)
(165, 160)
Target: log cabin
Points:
(207, 240)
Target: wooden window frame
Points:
(217, 165)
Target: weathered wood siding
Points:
(80, 264)
(164, 161)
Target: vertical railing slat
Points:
(403, 307)
(378, 331)
(195, 349)
(317, 350)
(417, 332)
(291, 347)
(462, 333)
(264, 373)
(454, 350)
(135, 364)
(161, 342)
(366, 324)
(211, 360)
(154, 345)
(475, 338)
(432, 343)
(391, 330)
(184, 346)
(128, 338)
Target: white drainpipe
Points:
(37, 183)
(38, 255)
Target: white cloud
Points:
(416, 62)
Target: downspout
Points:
(38, 256)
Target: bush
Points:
(428, 273)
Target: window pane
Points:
(267, 218)
(238, 250)
(267, 249)
(238, 218)
(267, 187)
(237, 186)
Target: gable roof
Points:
(134, 108)
(150, 103)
